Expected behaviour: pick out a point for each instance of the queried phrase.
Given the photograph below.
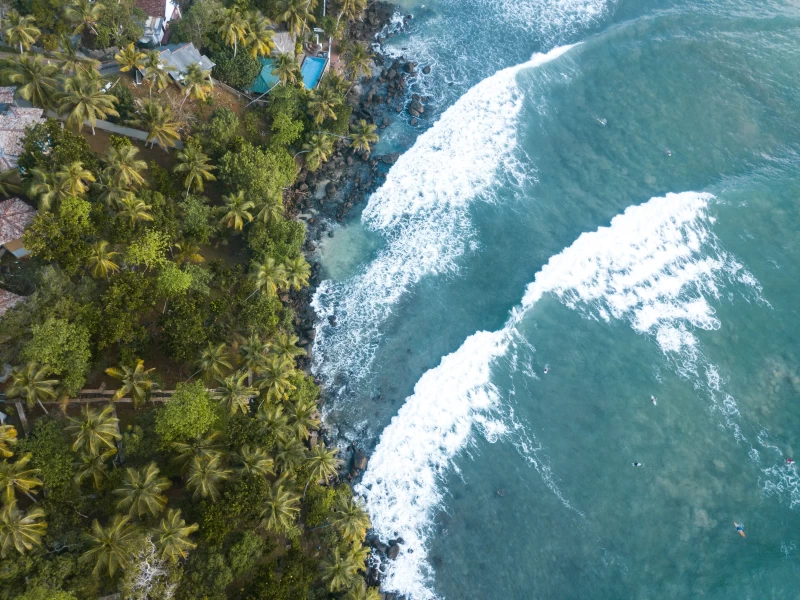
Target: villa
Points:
(13, 121)
(15, 216)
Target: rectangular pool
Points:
(312, 69)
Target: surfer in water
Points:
(654, 400)
(739, 528)
(668, 151)
(636, 464)
(602, 122)
(546, 369)
(789, 461)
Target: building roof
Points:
(284, 42)
(13, 121)
(158, 8)
(15, 216)
(7, 94)
(180, 56)
(8, 301)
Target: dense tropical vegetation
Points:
(173, 277)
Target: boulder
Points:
(393, 552)
(414, 122)
(417, 106)
(427, 70)
(413, 112)
(360, 460)
(386, 122)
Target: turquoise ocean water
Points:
(608, 190)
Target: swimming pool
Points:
(312, 71)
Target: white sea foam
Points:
(655, 267)
(421, 210)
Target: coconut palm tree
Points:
(274, 420)
(281, 507)
(290, 454)
(95, 431)
(94, 466)
(101, 260)
(84, 14)
(285, 347)
(254, 461)
(303, 416)
(85, 101)
(360, 591)
(158, 121)
(362, 134)
(339, 570)
(321, 463)
(124, 167)
(286, 68)
(130, 58)
(141, 491)
(197, 83)
(205, 477)
(296, 14)
(20, 31)
(188, 253)
(351, 519)
(155, 71)
(195, 164)
(136, 381)
(73, 179)
(237, 209)
(46, 189)
(258, 38)
(269, 277)
(334, 81)
(72, 61)
(133, 210)
(110, 192)
(111, 547)
(30, 382)
(233, 28)
(34, 77)
(7, 186)
(297, 272)
(16, 476)
(322, 104)
(203, 446)
(351, 9)
(234, 392)
(252, 354)
(275, 378)
(20, 531)
(271, 210)
(215, 361)
(319, 149)
(358, 60)
(8, 438)
(172, 536)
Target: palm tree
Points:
(290, 454)
(322, 104)
(237, 209)
(8, 187)
(254, 461)
(281, 507)
(15, 476)
(84, 14)
(286, 68)
(72, 61)
(196, 82)
(133, 209)
(362, 135)
(215, 361)
(93, 466)
(285, 347)
(205, 477)
(110, 192)
(188, 253)
(295, 14)
(73, 179)
(270, 276)
(322, 463)
(203, 446)
(158, 121)
(335, 82)
(253, 353)
(233, 28)
(155, 71)
(319, 149)
(124, 167)
(30, 382)
(196, 165)
(20, 531)
(302, 418)
(111, 546)
(271, 210)
(45, 187)
(361, 592)
(136, 381)
(172, 536)
(130, 58)
(101, 260)
(358, 61)
(274, 420)
(34, 77)
(275, 381)
(85, 101)
(351, 519)
(20, 31)
(351, 9)
(297, 272)
(339, 570)
(95, 430)
(258, 38)
(234, 392)
(141, 491)
(8, 438)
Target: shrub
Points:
(188, 413)
(237, 71)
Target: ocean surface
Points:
(601, 206)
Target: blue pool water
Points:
(311, 71)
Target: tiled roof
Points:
(15, 216)
(12, 130)
(153, 8)
(8, 301)
(7, 94)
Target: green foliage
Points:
(292, 581)
(243, 430)
(285, 130)
(148, 250)
(126, 298)
(207, 575)
(189, 413)
(245, 552)
(217, 133)
(163, 181)
(197, 25)
(340, 125)
(61, 237)
(279, 240)
(184, 327)
(172, 282)
(45, 593)
(196, 220)
(243, 499)
(119, 24)
(125, 105)
(318, 504)
(262, 314)
(48, 146)
(237, 71)
(64, 347)
(257, 172)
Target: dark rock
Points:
(415, 97)
(393, 552)
(413, 112)
(386, 122)
(427, 70)
(360, 460)
(417, 106)
(330, 235)
(398, 108)
(414, 122)
(410, 66)
(332, 320)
